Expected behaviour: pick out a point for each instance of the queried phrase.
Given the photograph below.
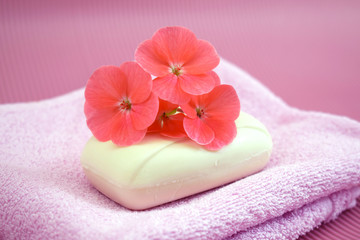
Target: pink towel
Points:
(313, 175)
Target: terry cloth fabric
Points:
(313, 175)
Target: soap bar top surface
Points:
(160, 160)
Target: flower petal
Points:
(215, 77)
(189, 109)
(99, 122)
(177, 44)
(106, 86)
(168, 88)
(225, 132)
(143, 114)
(204, 60)
(150, 60)
(123, 132)
(155, 126)
(173, 126)
(197, 84)
(221, 103)
(165, 106)
(198, 131)
(139, 82)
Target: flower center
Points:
(166, 115)
(125, 104)
(176, 70)
(200, 112)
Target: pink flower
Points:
(181, 62)
(168, 121)
(210, 119)
(119, 103)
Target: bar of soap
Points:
(160, 170)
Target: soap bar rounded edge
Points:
(145, 198)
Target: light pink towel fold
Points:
(314, 174)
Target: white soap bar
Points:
(160, 169)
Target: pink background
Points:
(307, 52)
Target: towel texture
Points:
(313, 175)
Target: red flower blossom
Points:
(181, 62)
(119, 103)
(210, 119)
(168, 121)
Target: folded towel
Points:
(313, 175)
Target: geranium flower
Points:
(181, 62)
(210, 119)
(119, 103)
(168, 122)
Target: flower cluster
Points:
(185, 98)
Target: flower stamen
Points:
(200, 112)
(176, 70)
(125, 104)
(163, 118)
